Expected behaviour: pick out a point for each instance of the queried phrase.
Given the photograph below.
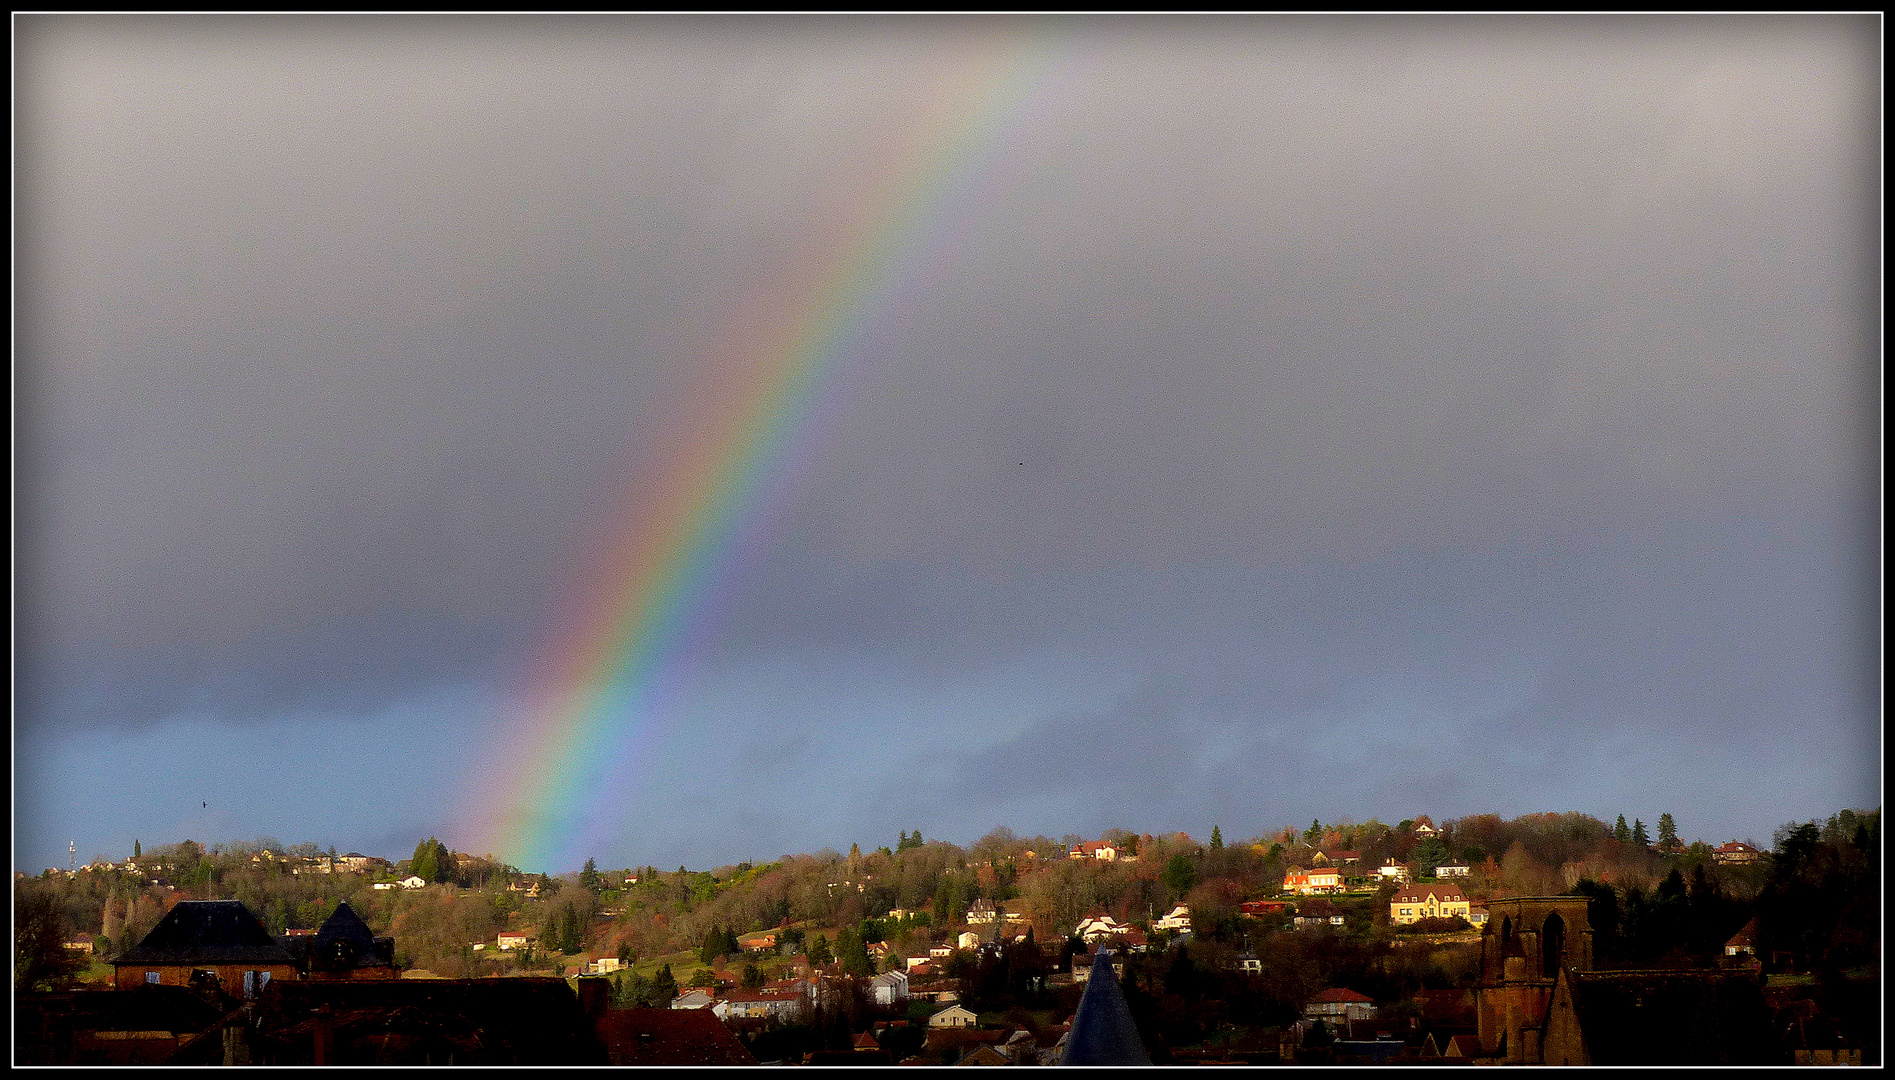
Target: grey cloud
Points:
(343, 341)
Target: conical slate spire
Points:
(1102, 1031)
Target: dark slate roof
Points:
(345, 941)
(500, 1021)
(38, 1015)
(1103, 1032)
(1672, 1018)
(207, 932)
(670, 1037)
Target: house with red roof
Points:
(1321, 879)
(1743, 941)
(1735, 853)
(1339, 1004)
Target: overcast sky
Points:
(1286, 419)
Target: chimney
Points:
(594, 992)
(325, 1034)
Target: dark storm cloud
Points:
(1522, 366)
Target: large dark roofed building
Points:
(1659, 1018)
(199, 940)
(142, 1026)
(521, 1021)
(344, 948)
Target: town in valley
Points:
(1553, 938)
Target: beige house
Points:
(1416, 902)
(954, 1016)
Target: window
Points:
(151, 976)
(249, 984)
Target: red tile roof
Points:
(1340, 993)
(670, 1037)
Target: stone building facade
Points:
(1527, 942)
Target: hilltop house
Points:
(1322, 879)
(1177, 920)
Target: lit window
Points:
(151, 976)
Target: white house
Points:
(515, 939)
(889, 988)
(982, 912)
(693, 999)
(1393, 871)
(412, 882)
(787, 1007)
(1451, 870)
(1178, 919)
(1099, 926)
(1321, 879)
(967, 940)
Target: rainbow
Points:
(620, 654)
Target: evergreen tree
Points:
(137, 850)
(1667, 833)
(731, 947)
(1179, 874)
(664, 987)
(713, 945)
(1429, 854)
(1639, 835)
(589, 877)
(1314, 832)
(819, 952)
(423, 865)
(1622, 832)
(1217, 838)
(752, 977)
(443, 863)
(853, 953)
(902, 843)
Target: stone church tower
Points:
(1525, 944)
